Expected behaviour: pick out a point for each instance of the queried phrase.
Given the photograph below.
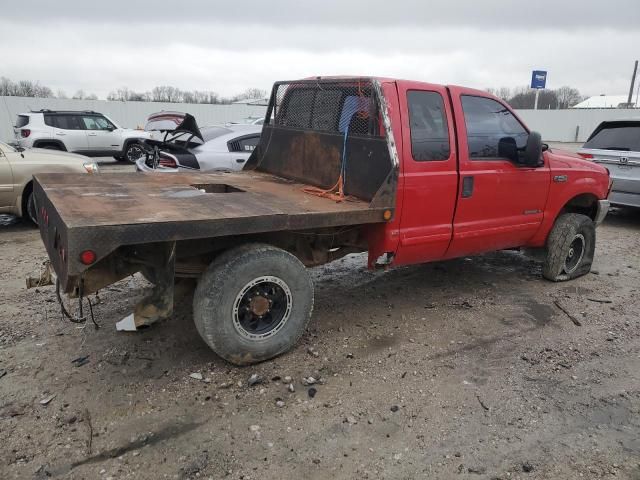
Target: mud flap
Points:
(159, 304)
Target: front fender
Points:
(560, 194)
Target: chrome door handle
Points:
(92, 134)
(60, 133)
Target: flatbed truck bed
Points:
(104, 212)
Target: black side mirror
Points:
(507, 148)
(533, 151)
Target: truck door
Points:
(429, 172)
(500, 202)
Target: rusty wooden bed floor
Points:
(232, 203)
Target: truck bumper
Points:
(603, 208)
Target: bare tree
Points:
(25, 89)
(161, 93)
(250, 94)
(6, 87)
(568, 97)
(526, 97)
(504, 93)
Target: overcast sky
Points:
(232, 45)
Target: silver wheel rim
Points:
(266, 279)
(575, 254)
(134, 153)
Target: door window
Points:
(64, 122)
(244, 144)
(104, 124)
(492, 130)
(90, 123)
(428, 125)
(248, 144)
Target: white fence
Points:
(554, 125)
(126, 114)
(572, 125)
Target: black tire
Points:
(30, 212)
(133, 152)
(229, 312)
(570, 248)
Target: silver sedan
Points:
(222, 149)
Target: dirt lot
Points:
(460, 369)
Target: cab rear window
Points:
(622, 136)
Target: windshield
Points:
(622, 136)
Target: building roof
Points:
(605, 101)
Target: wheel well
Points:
(586, 204)
(43, 143)
(128, 142)
(26, 191)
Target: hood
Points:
(561, 160)
(46, 155)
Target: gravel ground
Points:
(461, 369)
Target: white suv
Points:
(88, 133)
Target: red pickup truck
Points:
(407, 171)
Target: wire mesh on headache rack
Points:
(333, 106)
(346, 107)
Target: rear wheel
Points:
(570, 248)
(253, 303)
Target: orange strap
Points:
(335, 193)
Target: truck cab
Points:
(465, 185)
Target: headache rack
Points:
(329, 130)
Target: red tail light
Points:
(588, 156)
(88, 257)
(25, 132)
(168, 162)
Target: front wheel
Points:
(133, 152)
(31, 211)
(570, 248)
(253, 303)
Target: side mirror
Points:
(507, 148)
(533, 151)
